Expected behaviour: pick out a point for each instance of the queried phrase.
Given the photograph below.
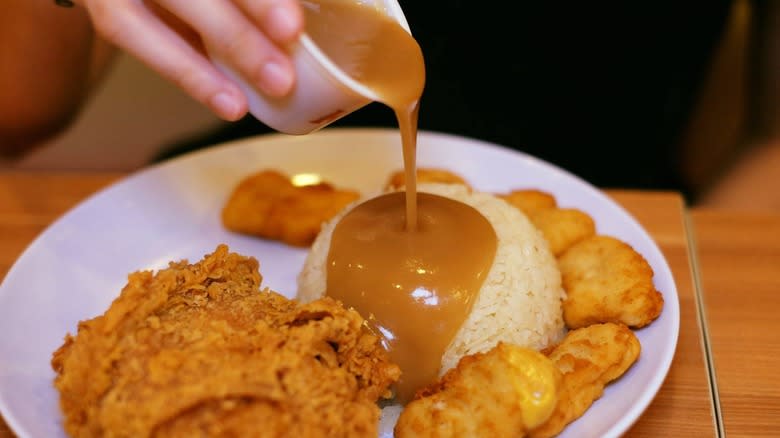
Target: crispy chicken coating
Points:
(589, 358)
(267, 204)
(530, 201)
(500, 393)
(606, 280)
(200, 350)
(397, 180)
(563, 227)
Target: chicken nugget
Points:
(606, 280)
(563, 227)
(530, 201)
(589, 358)
(501, 393)
(267, 204)
(397, 180)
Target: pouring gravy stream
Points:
(411, 265)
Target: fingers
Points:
(237, 41)
(282, 20)
(131, 26)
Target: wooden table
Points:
(738, 255)
(739, 266)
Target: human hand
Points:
(173, 36)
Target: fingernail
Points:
(282, 24)
(226, 105)
(275, 80)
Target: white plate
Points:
(75, 268)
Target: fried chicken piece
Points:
(530, 201)
(267, 204)
(500, 393)
(589, 359)
(397, 180)
(199, 349)
(563, 227)
(606, 280)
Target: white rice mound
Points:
(520, 299)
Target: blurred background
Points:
(671, 96)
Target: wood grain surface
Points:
(30, 201)
(739, 257)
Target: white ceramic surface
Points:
(78, 265)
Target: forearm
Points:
(50, 58)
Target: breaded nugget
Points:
(201, 350)
(266, 204)
(530, 201)
(563, 227)
(397, 179)
(500, 393)
(589, 358)
(606, 280)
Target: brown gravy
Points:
(414, 288)
(410, 264)
(376, 51)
